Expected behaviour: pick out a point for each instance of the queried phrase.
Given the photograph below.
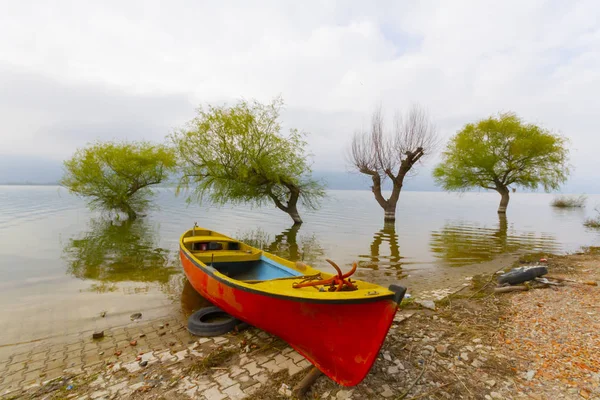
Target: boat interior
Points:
(234, 259)
(258, 270)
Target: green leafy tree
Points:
(500, 152)
(239, 155)
(116, 176)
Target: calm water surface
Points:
(62, 265)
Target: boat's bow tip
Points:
(399, 292)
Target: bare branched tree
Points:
(392, 156)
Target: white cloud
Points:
(333, 62)
(50, 119)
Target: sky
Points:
(73, 72)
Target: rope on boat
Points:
(336, 283)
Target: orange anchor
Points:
(337, 283)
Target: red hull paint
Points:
(341, 339)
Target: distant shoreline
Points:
(29, 184)
(341, 189)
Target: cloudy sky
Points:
(72, 72)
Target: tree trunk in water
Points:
(504, 192)
(389, 212)
(389, 205)
(389, 209)
(131, 214)
(292, 210)
(291, 206)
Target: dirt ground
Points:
(543, 343)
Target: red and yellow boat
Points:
(337, 323)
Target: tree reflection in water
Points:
(115, 252)
(288, 244)
(463, 243)
(378, 260)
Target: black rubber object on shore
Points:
(199, 323)
(399, 292)
(522, 274)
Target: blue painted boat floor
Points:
(262, 270)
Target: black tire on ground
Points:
(199, 325)
(523, 274)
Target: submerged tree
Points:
(498, 152)
(116, 176)
(392, 156)
(239, 155)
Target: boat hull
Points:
(342, 339)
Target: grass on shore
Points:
(569, 201)
(214, 359)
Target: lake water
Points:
(62, 265)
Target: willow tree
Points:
(117, 176)
(392, 155)
(499, 152)
(238, 154)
